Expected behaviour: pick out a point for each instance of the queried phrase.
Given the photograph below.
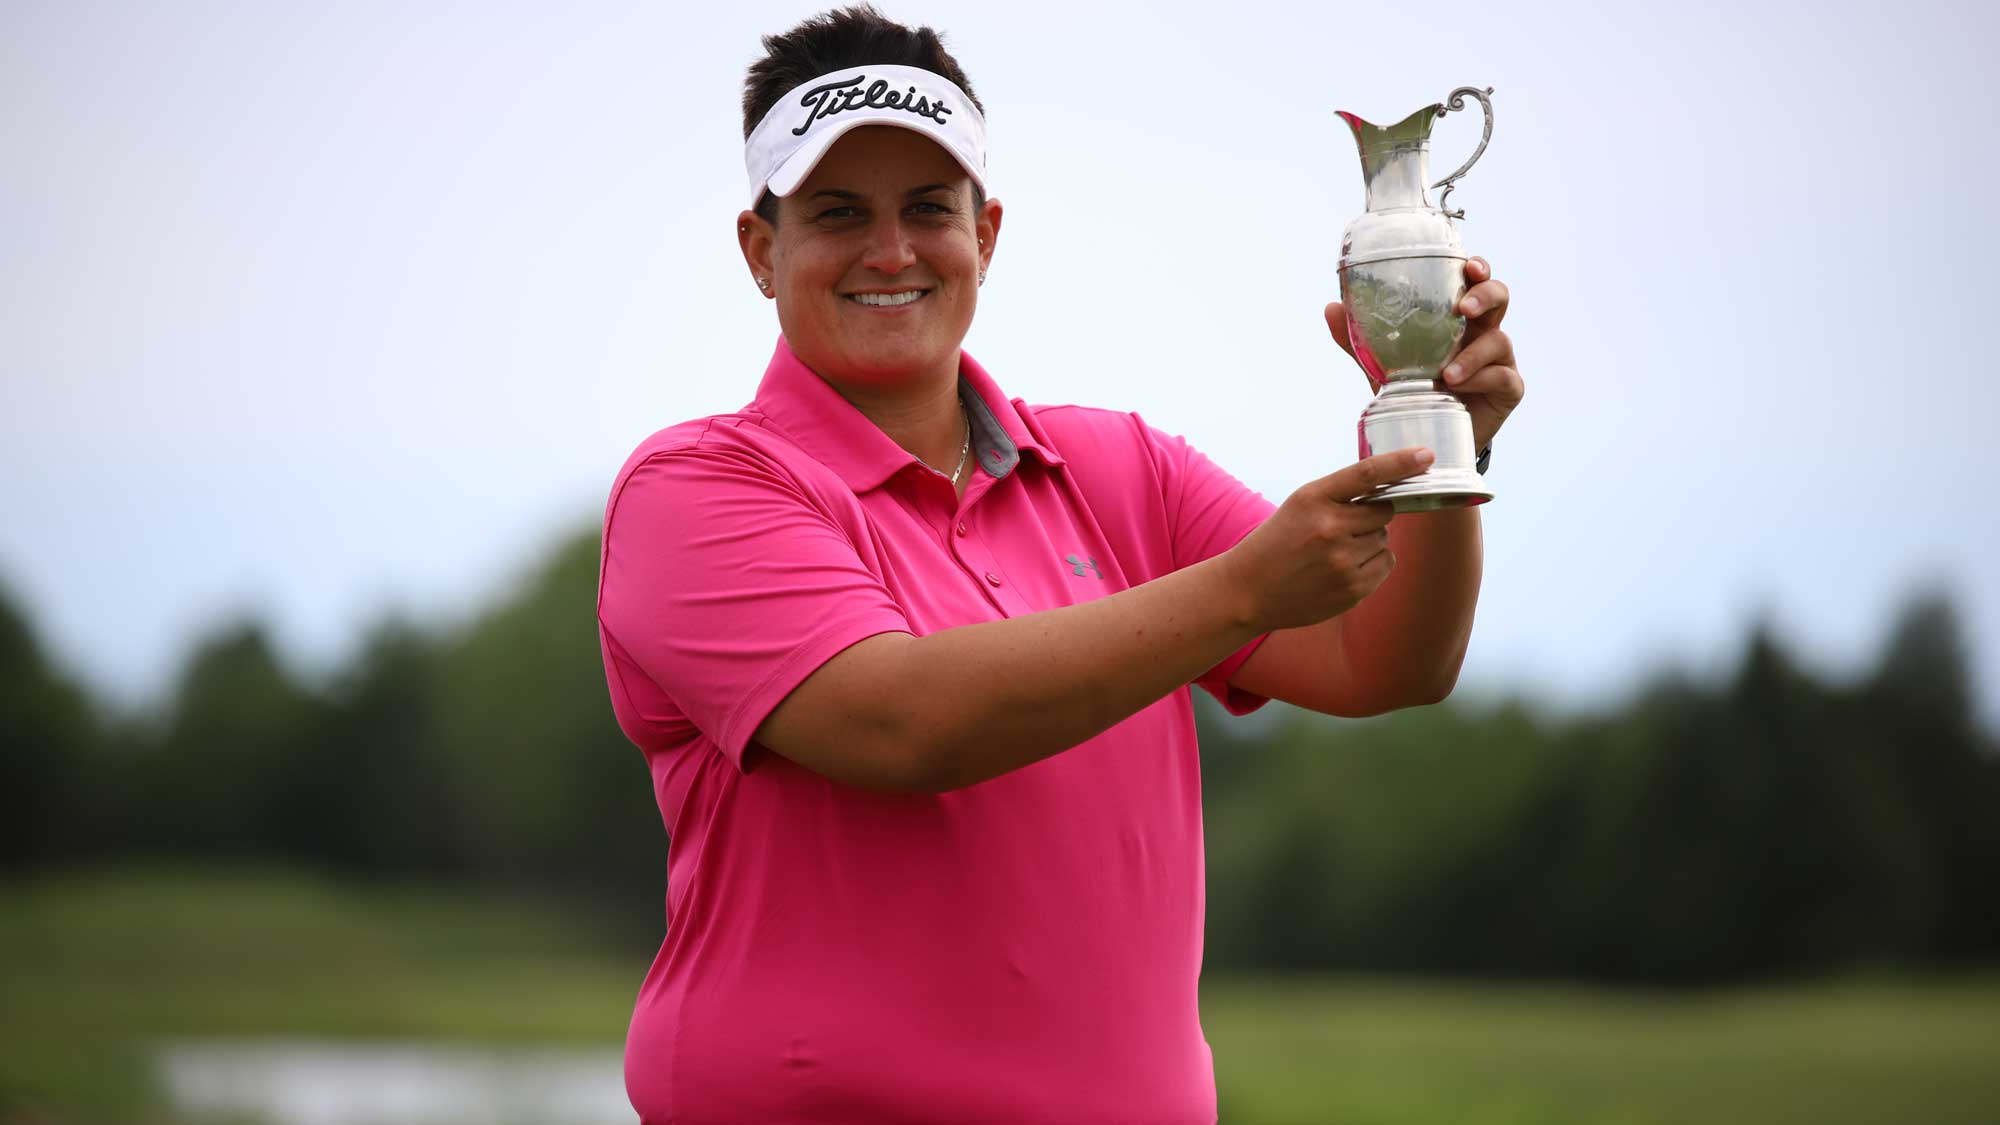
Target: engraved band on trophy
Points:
(1402, 274)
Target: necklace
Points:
(964, 452)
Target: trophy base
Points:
(1432, 492)
(1413, 412)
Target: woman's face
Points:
(875, 259)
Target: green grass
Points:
(1407, 1053)
(94, 967)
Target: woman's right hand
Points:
(1321, 552)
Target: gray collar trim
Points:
(996, 451)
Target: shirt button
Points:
(992, 579)
(961, 527)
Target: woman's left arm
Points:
(1403, 645)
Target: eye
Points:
(842, 212)
(930, 208)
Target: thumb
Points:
(1336, 323)
(1365, 476)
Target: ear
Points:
(987, 225)
(754, 237)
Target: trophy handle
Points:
(1456, 100)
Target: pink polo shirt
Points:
(1023, 950)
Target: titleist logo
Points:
(827, 100)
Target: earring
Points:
(982, 277)
(764, 283)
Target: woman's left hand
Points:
(1481, 373)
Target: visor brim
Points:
(787, 177)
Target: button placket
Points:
(976, 559)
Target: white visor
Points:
(804, 123)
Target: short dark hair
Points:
(856, 35)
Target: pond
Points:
(296, 1082)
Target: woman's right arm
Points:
(933, 713)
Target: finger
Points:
(1502, 385)
(1336, 323)
(1360, 521)
(1365, 476)
(1486, 300)
(1355, 519)
(1477, 270)
(1483, 350)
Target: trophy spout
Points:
(1395, 159)
(1355, 123)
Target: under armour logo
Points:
(1077, 565)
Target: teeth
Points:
(888, 298)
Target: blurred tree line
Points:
(1770, 824)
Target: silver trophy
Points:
(1402, 274)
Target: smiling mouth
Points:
(888, 300)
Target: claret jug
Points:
(1402, 274)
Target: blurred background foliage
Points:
(484, 754)
(1773, 823)
(451, 831)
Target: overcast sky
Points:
(315, 311)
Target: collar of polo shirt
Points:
(830, 429)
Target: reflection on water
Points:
(323, 1083)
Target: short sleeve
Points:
(727, 586)
(1208, 512)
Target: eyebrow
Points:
(842, 193)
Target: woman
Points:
(908, 660)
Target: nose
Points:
(888, 249)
